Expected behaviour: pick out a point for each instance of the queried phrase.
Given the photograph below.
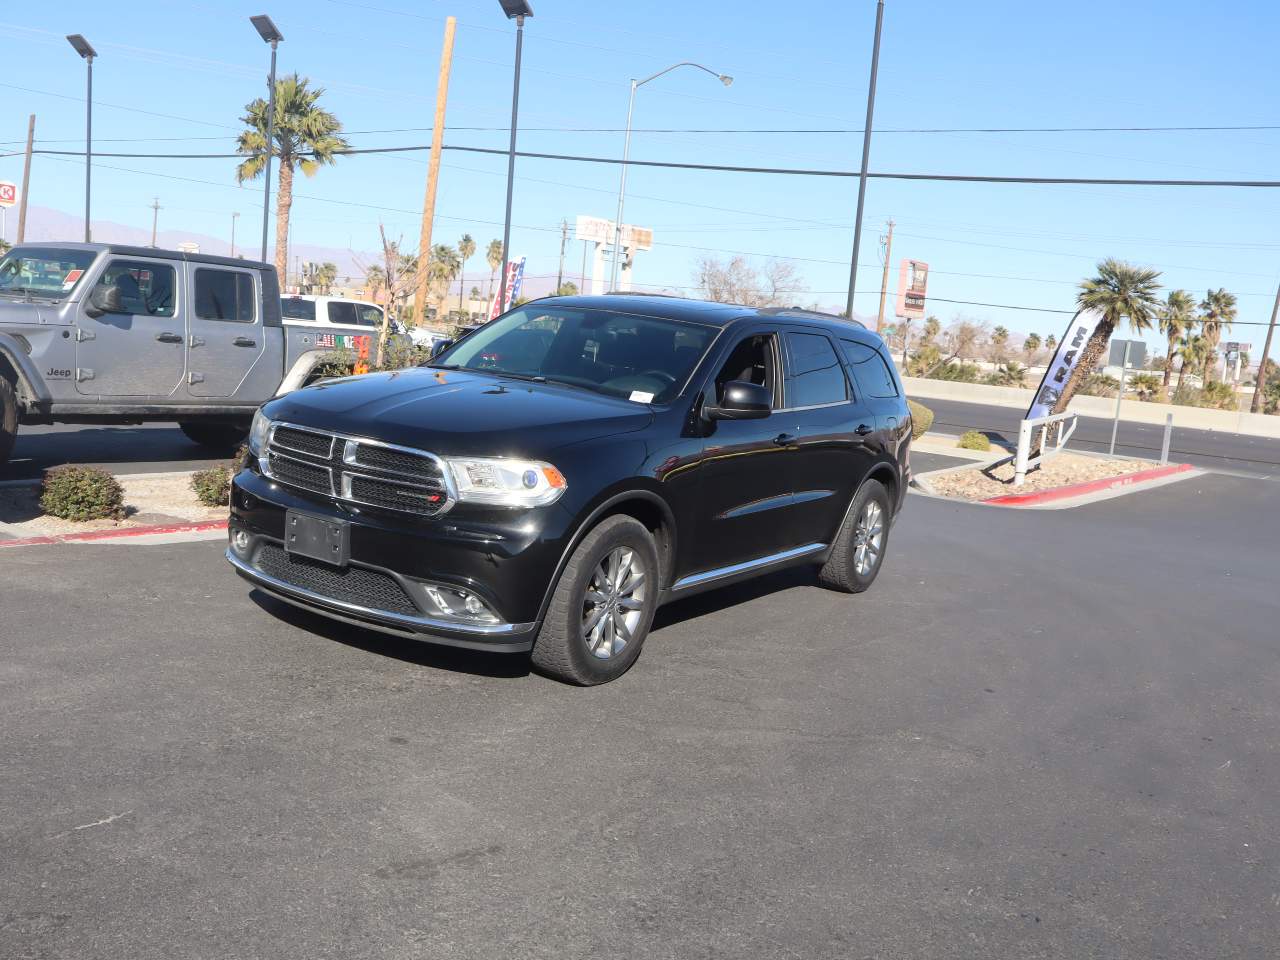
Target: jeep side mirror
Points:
(742, 401)
(104, 300)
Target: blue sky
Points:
(981, 64)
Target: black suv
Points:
(547, 482)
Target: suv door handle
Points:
(785, 440)
(244, 342)
(169, 337)
(863, 430)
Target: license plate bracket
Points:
(317, 538)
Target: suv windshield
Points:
(646, 359)
(43, 271)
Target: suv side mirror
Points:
(104, 300)
(742, 401)
(440, 347)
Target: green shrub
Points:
(81, 493)
(1099, 385)
(1214, 396)
(974, 440)
(213, 486)
(921, 419)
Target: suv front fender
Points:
(30, 386)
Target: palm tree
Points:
(999, 337)
(493, 257)
(375, 279)
(1217, 310)
(325, 277)
(1192, 351)
(1119, 291)
(442, 267)
(1051, 344)
(1030, 345)
(1176, 319)
(466, 247)
(306, 136)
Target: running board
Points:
(709, 576)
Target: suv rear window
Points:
(224, 295)
(874, 377)
(816, 374)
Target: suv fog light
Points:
(241, 542)
(458, 604)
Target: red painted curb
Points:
(96, 535)
(1089, 486)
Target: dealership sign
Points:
(1065, 360)
(913, 281)
(515, 280)
(8, 194)
(598, 230)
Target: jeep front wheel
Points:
(8, 419)
(602, 607)
(216, 436)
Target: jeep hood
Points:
(453, 412)
(19, 312)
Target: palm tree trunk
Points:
(284, 203)
(1088, 359)
(1168, 365)
(462, 283)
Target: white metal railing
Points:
(1024, 460)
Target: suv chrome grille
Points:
(361, 471)
(368, 588)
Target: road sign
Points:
(1137, 353)
(8, 194)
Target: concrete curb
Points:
(100, 536)
(1074, 490)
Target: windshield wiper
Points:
(488, 371)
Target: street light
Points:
(626, 155)
(515, 10)
(268, 32)
(87, 53)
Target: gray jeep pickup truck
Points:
(102, 333)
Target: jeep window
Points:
(816, 374)
(874, 377)
(49, 272)
(368, 316)
(343, 313)
(224, 295)
(618, 354)
(295, 308)
(146, 289)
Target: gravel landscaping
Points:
(149, 499)
(983, 483)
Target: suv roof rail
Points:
(643, 293)
(818, 314)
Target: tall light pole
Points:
(268, 32)
(87, 53)
(234, 216)
(515, 10)
(626, 155)
(866, 154)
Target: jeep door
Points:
(140, 351)
(745, 488)
(227, 335)
(837, 430)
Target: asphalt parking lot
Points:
(1042, 734)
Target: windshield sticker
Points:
(72, 277)
(639, 396)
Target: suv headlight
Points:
(258, 433)
(506, 483)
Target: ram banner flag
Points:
(1063, 363)
(515, 280)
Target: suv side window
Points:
(816, 374)
(225, 295)
(754, 360)
(146, 289)
(874, 377)
(343, 313)
(369, 316)
(295, 308)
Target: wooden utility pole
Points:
(155, 219)
(884, 277)
(26, 178)
(433, 172)
(1260, 387)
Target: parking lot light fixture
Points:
(515, 10)
(87, 53)
(626, 154)
(268, 32)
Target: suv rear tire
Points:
(8, 419)
(215, 436)
(858, 553)
(602, 607)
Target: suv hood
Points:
(19, 311)
(459, 413)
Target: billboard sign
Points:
(913, 281)
(1065, 359)
(599, 230)
(8, 194)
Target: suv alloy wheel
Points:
(860, 545)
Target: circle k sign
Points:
(8, 194)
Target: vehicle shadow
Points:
(421, 653)
(714, 601)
